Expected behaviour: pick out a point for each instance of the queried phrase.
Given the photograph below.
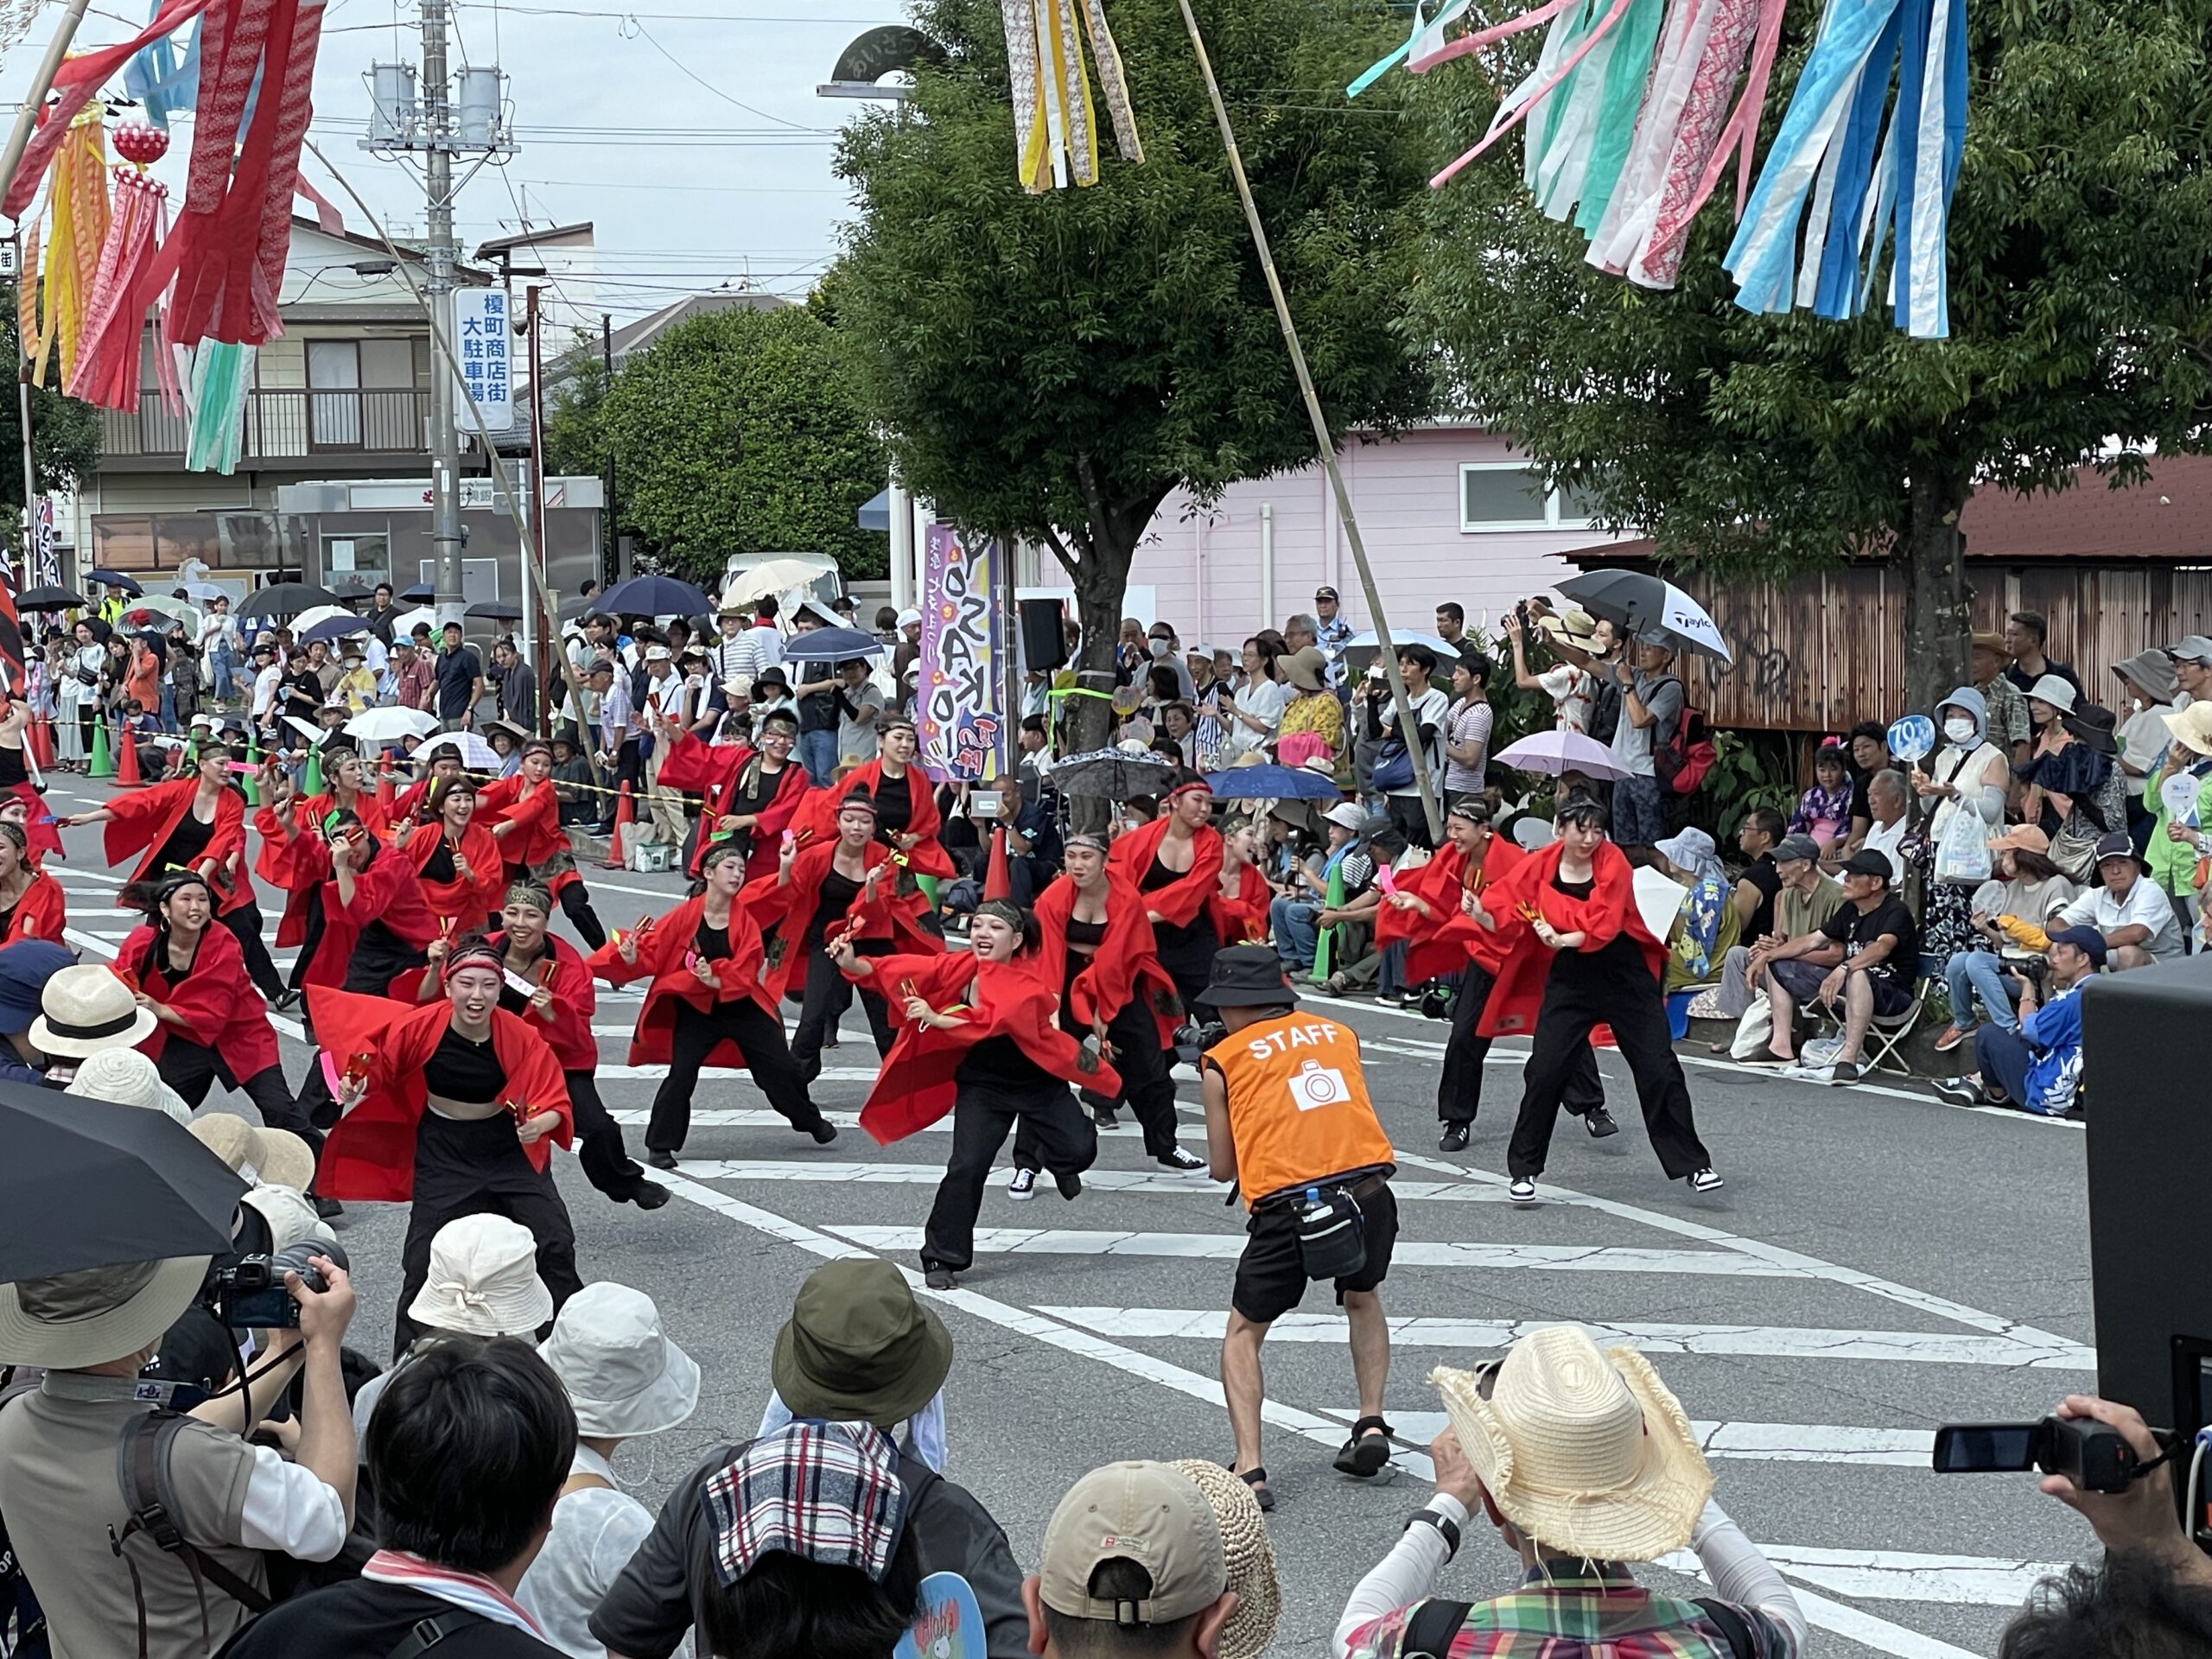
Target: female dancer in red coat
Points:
(978, 1038)
(524, 816)
(32, 905)
(907, 821)
(706, 1005)
(455, 859)
(1175, 862)
(1577, 955)
(15, 778)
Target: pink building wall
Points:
(1207, 568)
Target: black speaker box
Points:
(1043, 644)
(2147, 1069)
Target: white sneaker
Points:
(1706, 1181)
(1023, 1186)
(1524, 1191)
(1183, 1159)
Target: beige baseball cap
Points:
(1149, 1513)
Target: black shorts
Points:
(1271, 1273)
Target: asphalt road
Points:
(1877, 1264)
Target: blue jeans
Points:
(222, 668)
(2002, 1059)
(1298, 935)
(1971, 972)
(817, 753)
(1639, 812)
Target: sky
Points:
(687, 131)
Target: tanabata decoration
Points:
(106, 371)
(77, 232)
(1055, 128)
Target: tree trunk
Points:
(1102, 581)
(1938, 604)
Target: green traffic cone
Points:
(1325, 948)
(312, 783)
(253, 778)
(192, 753)
(103, 762)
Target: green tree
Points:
(742, 432)
(2081, 313)
(1052, 366)
(65, 433)
(576, 431)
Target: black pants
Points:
(1408, 818)
(758, 1037)
(829, 994)
(607, 1162)
(1187, 954)
(1608, 987)
(191, 1070)
(576, 905)
(1067, 1140)
(1460, 1086)
(473, 1168)
(245, 924)
(629, 768)
(1146, 1084)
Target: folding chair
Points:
(1884, 1035)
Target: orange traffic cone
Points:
(385, 797)
(998, 880)
(126, 759)
(624, 816)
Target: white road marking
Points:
(1104, 1180)
(1767, 1341)
(1227, 1247)
(1834, 1444)
(608, 1072)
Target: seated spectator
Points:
(2176, 848)
(2151, 1595)
(1806, 899)
(1756, 888)
(625, 1378)
(2012, 910)
(2038, 1065)
(1858, 963)
(106, 1586)
(2153, 693)
(857, 1349)
(1705, 927)
(2138, 924)
(25, 967)
(1824, 810)
(1367, 966)
(84, 1010)
(1584, 1464)
(467, 1452)
(1298, 918)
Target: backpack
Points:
(1681, 761)
(1428, 1633)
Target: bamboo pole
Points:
(19, 136)
(1408, 729)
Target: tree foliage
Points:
(65, 433)
(738, 431)
(2079, 307)
(1054, 366)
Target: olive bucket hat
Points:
(858, 1345)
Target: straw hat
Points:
(483, 1281)
(1307, 668)
(1585, 1452)
(1984, 639)
(623, 1375)
(128, 1078)
(1251, 1558)
(1576, 628)
(2192, 726)
(276, 1157)
(84, 1009)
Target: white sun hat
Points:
(275, 1157)
(84, 1009)
(483, 1281)
(128, 1078)
(1585, 1453)
(623, 1375)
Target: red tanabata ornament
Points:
(140, 143)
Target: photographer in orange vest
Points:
(1288, 1120)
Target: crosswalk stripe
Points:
(609, 1072)
(1225, 1247)
(1104, 1180)
(1834, 1444)
(1764, 1341)
(760, 1117)
(1902, 1575)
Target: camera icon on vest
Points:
(1317, 1084)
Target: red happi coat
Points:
(222, 1009)
(388, 891)
(538, 835)
(665, 950)
(279, 830)
(40, 914)
(1242, 919)
(917, 1086)
(785, 907)
(711, 771)
(1123, 967)
(40, 836)
(1180, 901)
(924, 822)
(144, 818)
(371, 1154)
(1447, 939)
(561, 970)
(1609, 911)
(459, 905)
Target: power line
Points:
(685, 70)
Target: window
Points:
(363, 558)
(1508, 495)
(335, 393)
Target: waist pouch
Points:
(1331, 1231)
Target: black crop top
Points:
(465, 1071)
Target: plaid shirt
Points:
(1605, 1615)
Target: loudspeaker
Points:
(2146, 1049)
(1043, 644)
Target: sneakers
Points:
(1522, 1191)
(1023, 1186)
(1952, 1037)
(660, 1159)
(1103, 1117)
(938, 1278)
(1455, 1138)
(1070, 1185)
(1599, 1123)
(1960, 1091)
(1182, 1160)
(1706, 1181)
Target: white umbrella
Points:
(777, 576)
(403, 624)
(390, 725)
(206, 592)
(1553, 752)
(308, 619)
(474, 752)
(187, 614)
(1361, 646)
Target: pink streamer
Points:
(1506, 125)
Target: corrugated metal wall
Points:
(1823, 654)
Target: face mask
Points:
(1161, 647)
(1959, 731)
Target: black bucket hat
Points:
(1248, 976)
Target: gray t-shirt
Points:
(1663, 696)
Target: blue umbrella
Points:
(833, 645)
(334, 627)
(421, 593)
(1274, 782)
(114, 579)
(654, 596)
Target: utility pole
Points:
(438, 257)
(613, 555)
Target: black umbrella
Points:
(286, 598)
(575, 609)
(494, 610)
(88, 1183)
(47, 598)
(654, 596)
(354, 590)
(421, 593)
(833, 645)
(1110, 774)
(114, 579)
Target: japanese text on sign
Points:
(480, 346)
(962, 727)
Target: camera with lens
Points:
(2036, 971)
(249, 1293)
(2094, 1456)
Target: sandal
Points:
(1364, 1454)
(1257, 1480)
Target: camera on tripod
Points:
(249, 1293)
(2093, 1455)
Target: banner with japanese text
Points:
(958, 715)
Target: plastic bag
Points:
(1962, 854)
